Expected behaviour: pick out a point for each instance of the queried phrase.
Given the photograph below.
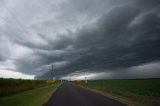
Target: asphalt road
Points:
(71, 95)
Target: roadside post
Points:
(85, 81)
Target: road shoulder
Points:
(126, 100)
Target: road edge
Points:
(52, 94)
(114, 96)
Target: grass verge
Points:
(13, 86)
(36, 97)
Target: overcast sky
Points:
(99, 39)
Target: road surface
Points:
(71, 95)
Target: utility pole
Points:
(50, 75)
(52, 72)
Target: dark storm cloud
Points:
(92, 36)
(124, 37)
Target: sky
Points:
(97, 39)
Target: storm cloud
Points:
(96, 38)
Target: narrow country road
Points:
(71, 95)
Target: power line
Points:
(14, 17)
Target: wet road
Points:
(71, 95)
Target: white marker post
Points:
(86, 81)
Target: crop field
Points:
(11, 86)
(142, 92)
(148, 87)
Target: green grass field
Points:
(12, 86)
(34, 97)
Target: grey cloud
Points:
(2, 58)
(91, 36)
